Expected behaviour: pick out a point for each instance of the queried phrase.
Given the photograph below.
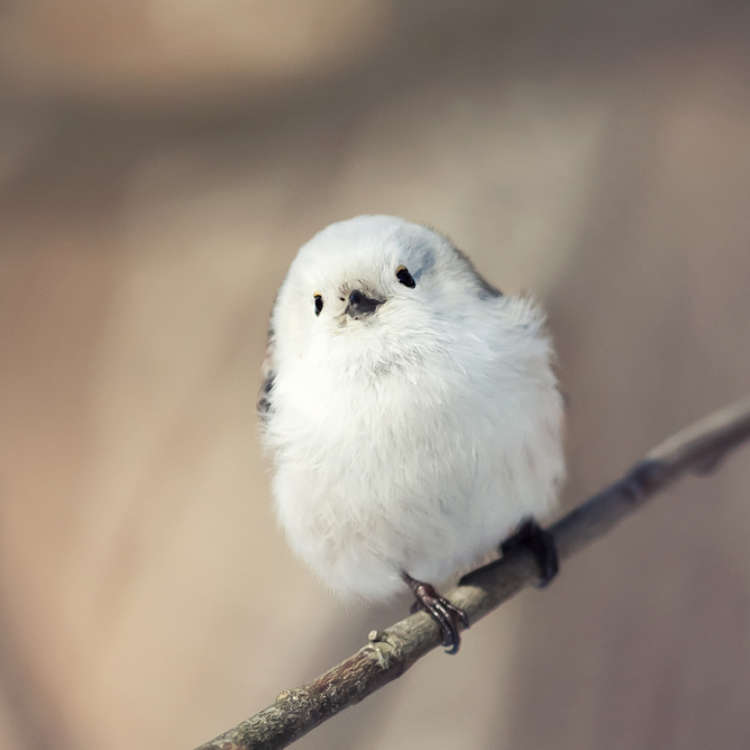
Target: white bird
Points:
(412, 411)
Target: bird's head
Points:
(372, 291)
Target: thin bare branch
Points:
(391, 652)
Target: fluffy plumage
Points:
(413, 438)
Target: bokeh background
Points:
(160, 163)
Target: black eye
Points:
(403, 275)
(318, 303)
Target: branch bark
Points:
(389, 653)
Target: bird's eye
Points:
(403, 275)
(318, 303)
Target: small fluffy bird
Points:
(412, 412)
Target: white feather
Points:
(415, 439)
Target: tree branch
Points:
(391, 652)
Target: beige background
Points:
(159, 165)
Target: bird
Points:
(413, 415)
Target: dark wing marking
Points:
(265, 403)
(485, 288)
(264, 396)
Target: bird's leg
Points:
(540, 543)
(440, 609)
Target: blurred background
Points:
(161, 162)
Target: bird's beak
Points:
(360, 304)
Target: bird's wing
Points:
(264, 403)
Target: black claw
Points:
(451, 638)
(540, 543)
(445, 614)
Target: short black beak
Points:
(360, 304)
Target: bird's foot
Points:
(445, 614)
(540, 543)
